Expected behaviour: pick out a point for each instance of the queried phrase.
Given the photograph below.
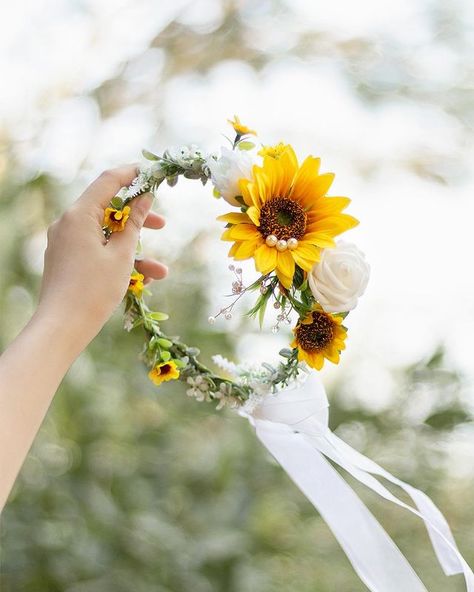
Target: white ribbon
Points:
(293, 426)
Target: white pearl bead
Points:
(228, 316)
(292, 243)
(281, 245)
(211, 320)
(271, 240)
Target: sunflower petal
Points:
(306, 255)
(265, 259)
(234, 218)
(319, 239)
(254, 214)
(247, 249)
(243, 232)
(304, 180)
(286, 265)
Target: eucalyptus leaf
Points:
(246, 145)
(159, 316)
(165, 355)
(149, 155)
(116, 202)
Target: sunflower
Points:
(288, 218)
(163, 372)
(274, 151)
(115, 219)
(239, 128)
(318, 336)
(136, 284)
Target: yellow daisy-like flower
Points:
(319, 336)
(163, 372)
(289, 218)
(114, 219)
(240, 128)
(273, 151)
(136, 284)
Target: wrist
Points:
(68, 335)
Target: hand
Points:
(84, 278)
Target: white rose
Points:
(228, 169)
(339, 278)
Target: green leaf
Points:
(165, 355)
(285, 353)
(166, 343)
(172, 180)
(159, 316)
(240, 199)
(246, 145)
(116, 202)
(261, 313)
(180, 363)
(149, 155)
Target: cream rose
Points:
(228, 169)
(339, 278)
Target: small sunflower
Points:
(288, 218)
(318, 336)
(239, 128)
(136, 285)
(163, 372)
(115, 219)
(274, 151)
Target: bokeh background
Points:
(132, 488)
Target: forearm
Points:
(31, 369)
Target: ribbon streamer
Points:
(293, 426)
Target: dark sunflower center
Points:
(317, 335)
(165, 369)
(284, 218)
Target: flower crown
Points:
(284, 220)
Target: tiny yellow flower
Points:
(240, 128)
(114, 219)
(136, 284)
(273, 151)
(163, 372)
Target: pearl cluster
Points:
(281, 244)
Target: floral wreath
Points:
(283, 218)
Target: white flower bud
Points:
(339, 278)
(227, 170)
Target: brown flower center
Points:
(282, 217)
(317, 335)
(165, 369)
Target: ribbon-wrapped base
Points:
(293, 426)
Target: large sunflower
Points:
(318, 336)
(288, 219)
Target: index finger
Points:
(108, 184)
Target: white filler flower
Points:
(228, 169)
(339, 278)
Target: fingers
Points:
(139, 211)
(107, 185)
(151, 269)
(154, 221)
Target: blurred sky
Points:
(381, 90)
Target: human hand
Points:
(84, 277)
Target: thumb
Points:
(139, 209)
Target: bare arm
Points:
(84, 281)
